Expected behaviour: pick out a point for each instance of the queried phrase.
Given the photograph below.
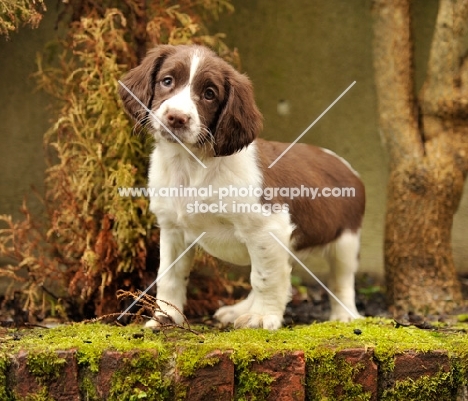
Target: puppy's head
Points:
(189, 93)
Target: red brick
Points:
(64, 387)
(288, 371)
(111, 362)
(214, 382)
(366, 372)
(125, 369)
(19, 379)
(412, 365)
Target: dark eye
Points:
(167, 82)
(209, 94)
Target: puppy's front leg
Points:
(270, 279)
(172, 286)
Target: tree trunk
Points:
(427, 143)
(422, 198)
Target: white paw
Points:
(228, 314)
(344, 316)
(256, 321)
(165, 311)
(152, 324)
(161, 320)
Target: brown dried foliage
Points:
(20, 12)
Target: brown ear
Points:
(240, 121)
(141, 82)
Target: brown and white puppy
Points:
(205, 122)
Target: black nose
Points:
(176, 119)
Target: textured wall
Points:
(23, 115)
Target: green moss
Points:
(326, 374)
(140, 379)
(195, 358)
(253, 386)
(4, 363)
(87, 387)
(463, 318)
(261, 344)
(42, 395)
(90, 341)
(45, 365)
(440, 387)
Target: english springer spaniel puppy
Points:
(203, 116)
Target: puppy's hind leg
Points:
(343, 258)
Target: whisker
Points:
(141, 124)
(206, 137)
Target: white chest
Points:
(196, 199)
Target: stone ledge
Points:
(291, 376)
(178, 366)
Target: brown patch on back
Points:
(323, 219)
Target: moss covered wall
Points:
(327, 361)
